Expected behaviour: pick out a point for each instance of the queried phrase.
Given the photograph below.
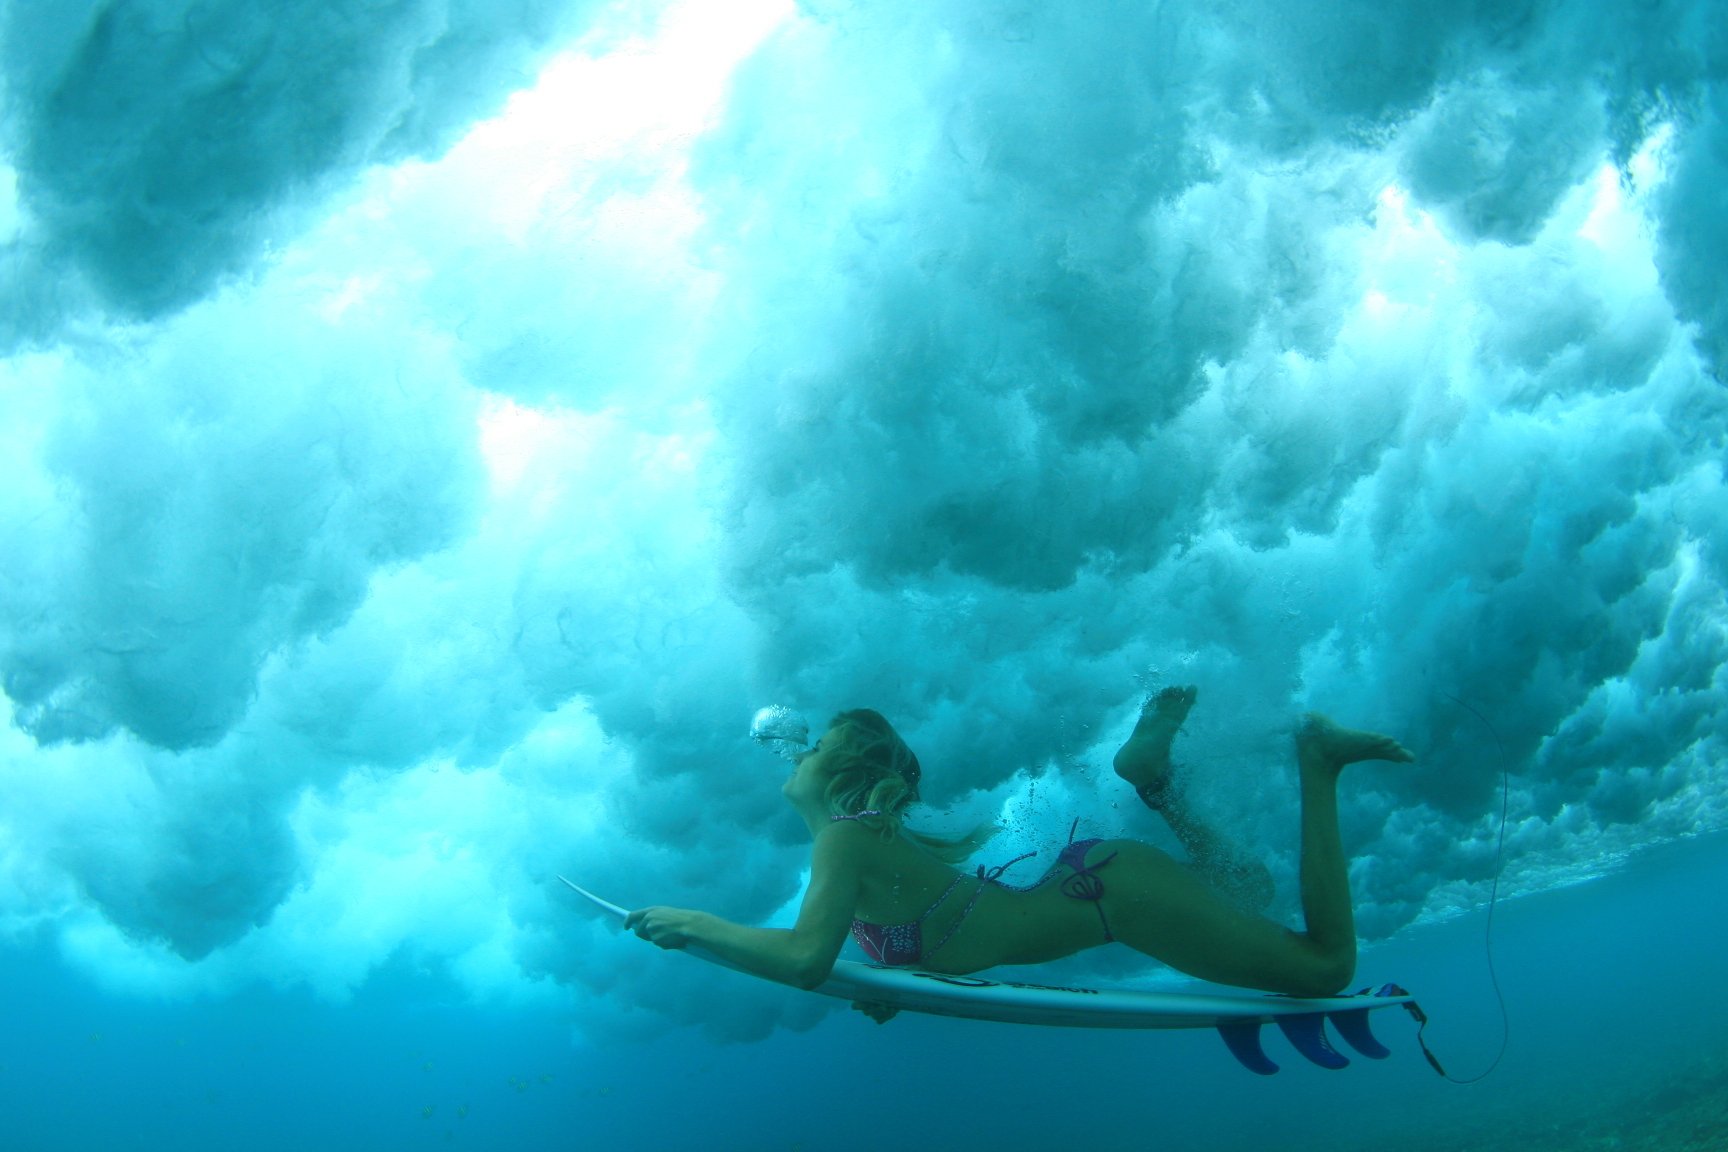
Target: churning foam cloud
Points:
(430, 434)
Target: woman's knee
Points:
(1321, 973)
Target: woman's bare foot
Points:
(1322, 746)
(1144, 761)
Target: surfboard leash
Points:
(1412, 1007)
(1421, 1019)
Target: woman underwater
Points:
(899, 894)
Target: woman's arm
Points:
(802, 955)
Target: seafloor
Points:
(1680, 1108)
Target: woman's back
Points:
(962, 922)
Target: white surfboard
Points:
(1237, 1018)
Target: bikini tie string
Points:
(1086, 884)
(989, 875)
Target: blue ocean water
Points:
(429, 431)
(1612, 992)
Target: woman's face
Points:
(809, 779)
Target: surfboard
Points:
(1238, 1019)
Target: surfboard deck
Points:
(1238, 1018)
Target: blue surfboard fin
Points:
(1242, 1037)
(1353, 1027)
(1307, 1034)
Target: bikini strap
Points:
(986, 877)
(856, 815)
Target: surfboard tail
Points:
(1353, 1028)
(1307, 1034)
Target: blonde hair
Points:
(873, 778)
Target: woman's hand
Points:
(665, 927)
(802, 955)
(881, 1013)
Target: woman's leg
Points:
(1159, 908)
(1144, 761)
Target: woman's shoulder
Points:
(849, 835)
(860, 839)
